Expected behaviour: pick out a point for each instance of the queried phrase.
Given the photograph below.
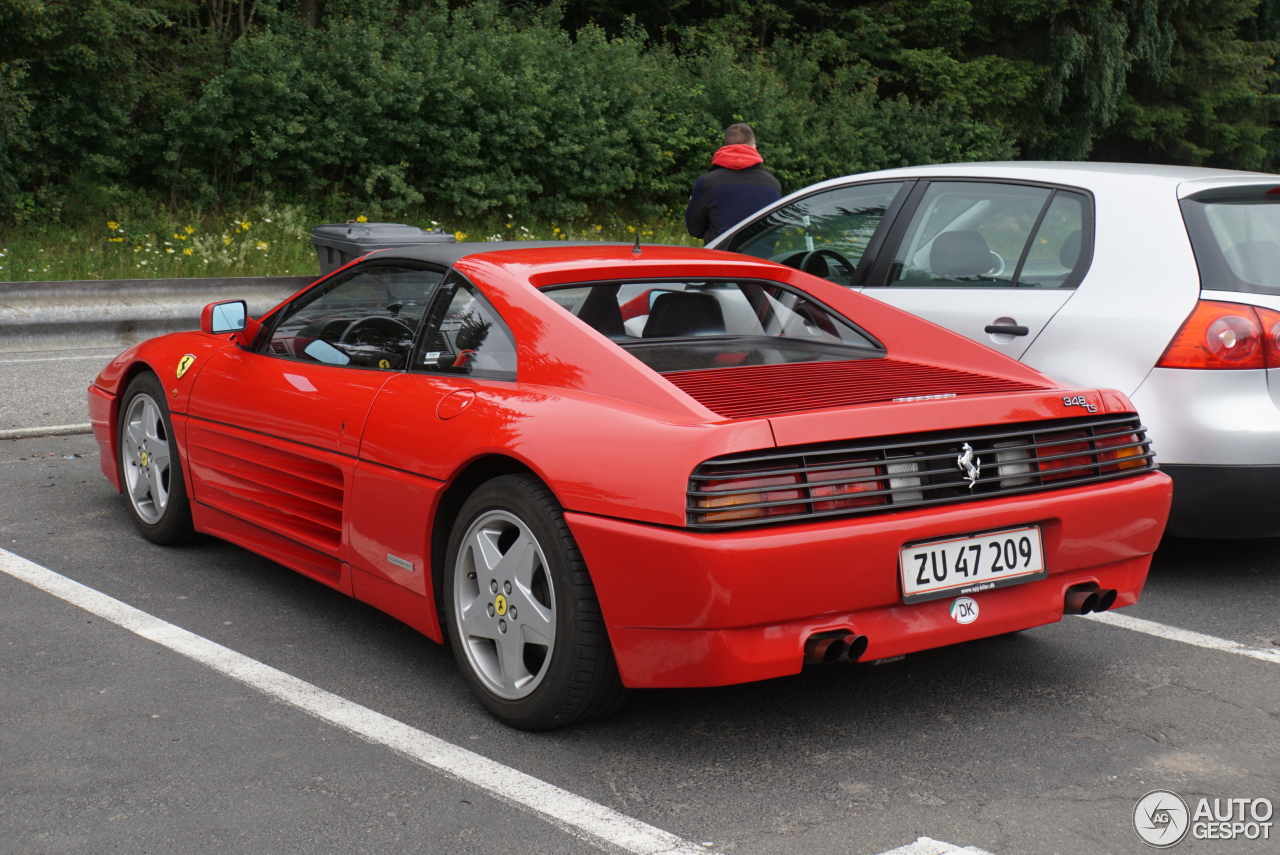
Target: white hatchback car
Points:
(1160, 281)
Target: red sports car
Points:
(602, 467)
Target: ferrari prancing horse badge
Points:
(184, 363)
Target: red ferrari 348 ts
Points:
(602, 467)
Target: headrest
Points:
(684, 313)
(1070, 252)
(955, 254)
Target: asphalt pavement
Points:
(1038, 743)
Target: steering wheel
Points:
(380, 324)
(998, 267)
(807, 263)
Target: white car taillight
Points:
(1225, 335)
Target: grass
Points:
(262, 240)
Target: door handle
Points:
(1005, 329)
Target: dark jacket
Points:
(736, 187)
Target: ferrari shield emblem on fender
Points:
(184, 363)
(969, 463)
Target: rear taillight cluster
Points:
(825, 489)
(1226, 335)
(825, 481)
(1061, 456)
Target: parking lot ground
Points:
(47, 388)
(1038, 743)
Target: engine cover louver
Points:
(757, 391)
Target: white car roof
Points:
(1185, 179)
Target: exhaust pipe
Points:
(823, 648)
(1080, 602)
(826, 648)
(1086, 598)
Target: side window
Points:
(367, 319)
(824, 234)
(1057, 250)
(465, 335)
(967, 234)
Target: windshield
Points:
(696, 325)
(1236, 242)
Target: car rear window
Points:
(689, 325)
(1236, 239)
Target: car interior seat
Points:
(684, 313)
(1255, 261)
(1069, 254)
(602, 313)
(959, 254)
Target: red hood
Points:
(736, 157)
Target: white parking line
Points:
(51, 430)
(107, 357)
(1186, 636)
(928, 846)
(583, 818)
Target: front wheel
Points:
(150, 468)
(522, 614)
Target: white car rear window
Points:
(1236, 241)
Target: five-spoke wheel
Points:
(149, 465)
(505, 604)
(521, 611)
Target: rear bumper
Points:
(1224, 501)
(1211, 418)
(697, 609)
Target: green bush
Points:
(468, 112)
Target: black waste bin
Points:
(338, 243)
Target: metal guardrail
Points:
(120, 312)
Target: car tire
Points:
(522, 614)
(150, 465)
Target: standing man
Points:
(736, 187)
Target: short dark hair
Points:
(739, 133)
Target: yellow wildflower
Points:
(262, 245)
(113, 226)
(188, 251)
(226, 240)
(459, 236)
(189, 229)
(631, 229)
(115, 240)
(362, 219)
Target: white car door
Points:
(993, 261)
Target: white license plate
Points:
(965, 565)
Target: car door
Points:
(991, 260)
(459, 394)
(273, 431)
(833, 233)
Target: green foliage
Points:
(473, 112)
(564, 109)
(14, 133)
